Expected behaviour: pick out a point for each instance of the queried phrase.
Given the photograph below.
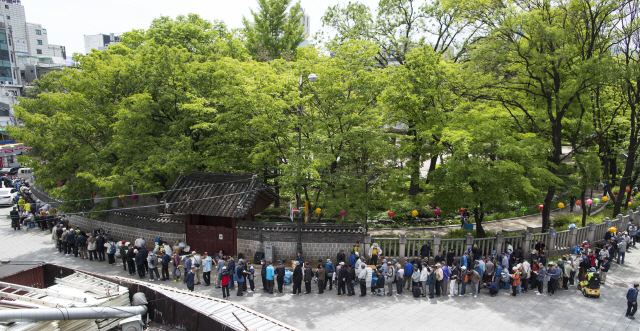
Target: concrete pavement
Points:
(565, 311)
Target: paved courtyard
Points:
(565, 311)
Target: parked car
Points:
(9, 171)
(24, 173)
(7, 196)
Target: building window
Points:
(6, 6)
(38, 32)
(8, 17)
(39, 42)
(38, 51)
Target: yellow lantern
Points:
(414, 213)
(318, 210)
(121, 196)
(561, 205)
(630, 203)
(605, 198)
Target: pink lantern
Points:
(541, 207)
(437, 211)
(135, 196)
(589, 201)
(390, 213)
(60, 184)
(343, 212)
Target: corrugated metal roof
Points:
(207, 193)
(222, 311)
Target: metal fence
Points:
(562, 239)
(486, 245)
(458, 245)
(390, 246)
(414, 245)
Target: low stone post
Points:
(591, 233)
(526, 243)
(367, 245)
(499, 244)
(437, 241)
(551, 240)
(469, 241)
(573, 237)
(621, 224)
(402, 243)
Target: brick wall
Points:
(123, 232)
(319, 241)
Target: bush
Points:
(275, 211)
(563, 221)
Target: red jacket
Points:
(225, 280)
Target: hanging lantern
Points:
(596, 200)
(437, 211)
(121, 196)
(135, 196)
(541, 207)
(462, 210)
(579, 203)
(60, 184)
(561, 205)
(414, 213)
(605, 198)
(343, 212)
(94, 194)
(627, 190)
(629, 204)
(390, 213)
(523, 208)
(318, 210)
(589, 201)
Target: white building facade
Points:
(100, 41)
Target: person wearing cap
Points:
(474, 278)
(439, 278)
(362, 279)
(140, 259)
(280, 272)
(207, 264)
(190, 278)
(269, 275)
(632, 302)
(515, 279)
(131, 260)
(359, 263)
(390, 276)
(224, 282)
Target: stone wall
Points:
(123, 232)
(319, 241)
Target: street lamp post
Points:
(312, 78)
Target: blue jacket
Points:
(270, 272)
(187, 265)
(555, 273)
(352, 259)
(408, 269)
(330, 267)
(238, 275)
(232, 266)
(463, 261)
(71, 238)
(190, 279)
(166, 259)
(632, 295)
(498, 272)
(445, 273)
(140, 258)
(207, 264)
(493, 286)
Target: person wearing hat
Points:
(190, 278)
(207, 263)
(515, 279)
(280, 272)
(123, 254)
(297, 278)
(632, 301)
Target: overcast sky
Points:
(69, 20)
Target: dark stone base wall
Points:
(123, 232)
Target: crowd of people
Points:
(442, 275)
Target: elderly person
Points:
(374, 252)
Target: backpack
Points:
(112, 249)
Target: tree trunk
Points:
(478, 217)
(414, 163)
(629, 165)
(555, 159)
(584, 208)
(432, 166)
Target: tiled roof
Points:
(207, 193)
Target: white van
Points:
(24, 173)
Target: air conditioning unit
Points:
(133, 323)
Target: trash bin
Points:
(469, 226)
(268, 252)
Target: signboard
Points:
(220, 236)
(306, 211)
(553, 234)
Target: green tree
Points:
(276, 30)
